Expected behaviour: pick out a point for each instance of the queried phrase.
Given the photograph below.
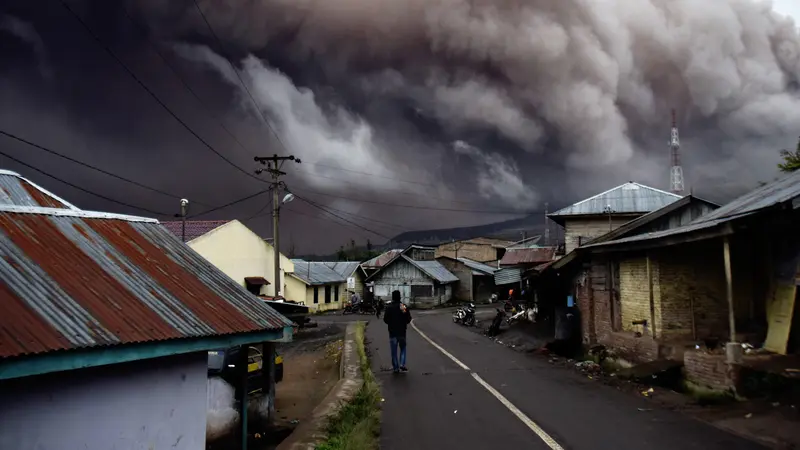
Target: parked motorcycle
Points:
(458, 315)
(494, 328)
(469, 315)
(359, 308)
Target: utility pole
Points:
(609, 210)
(547, 227)
(274, 164)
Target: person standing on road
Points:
(397, 317)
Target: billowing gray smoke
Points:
(581, 85)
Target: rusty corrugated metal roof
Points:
(75, 279)
(528, 256)
(382, 259)
(16, 190)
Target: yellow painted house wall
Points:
(296, 290)
(308, 295)
(238, 252)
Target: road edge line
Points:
(533, 426)
(440, 348)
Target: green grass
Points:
(356, 425)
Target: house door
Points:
(327, 293)
(405, 294)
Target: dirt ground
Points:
(773, 423)
(311, 368)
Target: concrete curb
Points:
(311, 432)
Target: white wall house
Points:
(106, 326)
(239, 253)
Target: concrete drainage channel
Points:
(311, 432)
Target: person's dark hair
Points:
(395, 296)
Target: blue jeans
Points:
(395, 342)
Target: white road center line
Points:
(546, 438)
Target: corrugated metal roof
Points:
(194, 228)
(784, 190)
(480, 267)
(528, 256)
(382, 259)
(75, 279)
(697, 226)
(317, 273)
(18, 191)
(648, 218)
(433, 269)
(781, 191)
(343, 268)
(626, 198)
(507, 275)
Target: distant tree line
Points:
(356, 253)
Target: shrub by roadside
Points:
(356, 425)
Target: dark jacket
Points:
(396, 319)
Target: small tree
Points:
(791, 160)
(341, 255)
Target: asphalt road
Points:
(440, 405)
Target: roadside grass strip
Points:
(356, 426)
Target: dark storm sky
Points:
(496, 106)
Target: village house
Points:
(326, 285)
(475, 280)
(608, 210)
(371, 266)
(481, 249)
(107, 325)
(518, 264)
(421, 280)
(239, 253)
(726, 278)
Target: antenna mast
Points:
(676, 171)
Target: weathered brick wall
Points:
(635, 291)
(588, 229)
(692, 280)
(706, 369)
(632, 348)
(463, 289)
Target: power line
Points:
(325, 219)
(357, 216)
(476, 211)
(389, 191)
(260, 212)
(89, 166)
(239, 76)
(185, 83)
(152, 94)
(244, 199)
(82, 189)
(340, 217)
